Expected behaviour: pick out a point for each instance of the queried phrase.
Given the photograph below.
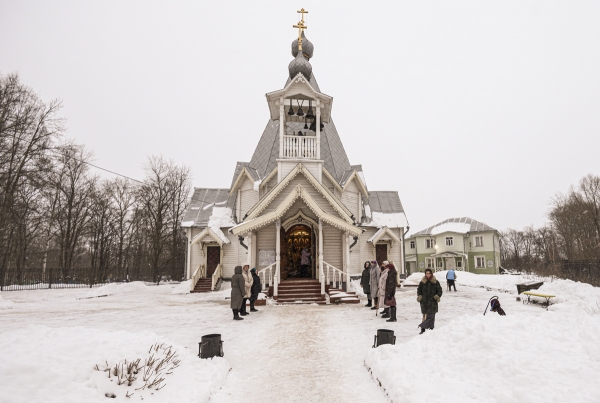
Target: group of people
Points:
(245, 286)
(379, 284)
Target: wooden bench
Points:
(537, 294)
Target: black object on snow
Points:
(211, 346)
(384, 336)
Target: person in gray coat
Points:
(238, 290)
(374, 282)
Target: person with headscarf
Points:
(374, 274)
(429, 293)
(381, 292)
(390, 291)
(365, 281)
(255, 290)
(238, 288)
(248, 286)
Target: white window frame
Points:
(479, 237)
(483, 259)
(441, 262)
(412, 244)
(430, 263)
(449, 241)
(429, 243)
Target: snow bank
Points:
(553, 357)
(43, 364)
(117, 288)
(183, 288)
(4, 304)
(357, 288)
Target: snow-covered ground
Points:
(51, 341)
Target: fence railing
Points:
(300, 147)
(333, 275)
(52, 278)
(198, 274)
(266, 275)
(216, 276)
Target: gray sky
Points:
(477, 108)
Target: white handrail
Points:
(336, 275)
(216, 276)
(198, 274)
(263, 272)
(300, 147)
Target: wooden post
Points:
(277, 257)
(321, 275)
(189, 254)
(281, 125)
(347, 236)
(318, 128)
(250, 247)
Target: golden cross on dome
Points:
(301, 27)
(302, 11)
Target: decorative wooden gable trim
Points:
(382, 231)
(273, 193)
(298, 193)
(299, 218)
(208, 232)
(240, 180)
(268, 178)
(361, 185)
(335, 183)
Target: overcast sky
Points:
(484, 109)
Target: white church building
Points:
(299, 192)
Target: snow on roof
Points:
(208, 205)
(390, 220)
(384, 208)
(460, 225)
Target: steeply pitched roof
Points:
(461, 225)
(202, 204)
(384, 209)
(264, 159)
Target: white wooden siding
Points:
(367, 251)
(332, 246)
(249, 197)
(196, 256)
(265, 240)
(230, 255)
(355, 262)
(328, 184)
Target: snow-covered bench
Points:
(537, 294)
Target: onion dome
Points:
(307, 47)
(300, 65)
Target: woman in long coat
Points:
(374, 282)
(381, 293)
(256, 289)
(429, 293)
(390, 289)
(238, 288)
(248, 289)
(365, 281)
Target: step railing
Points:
(198, 274)
(332, 275)
(300, 147)
(216, 276)
(266, 275)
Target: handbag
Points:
(390, 301)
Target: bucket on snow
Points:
(384, 336)
(211, 346)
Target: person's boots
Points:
(386, 313)
(235, 315)
(422, 330)
(252, 309)
(375, 304)
(392, 314)
(243, 311)
(369, 304)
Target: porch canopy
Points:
(449, 254)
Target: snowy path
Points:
(282, 353)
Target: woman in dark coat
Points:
(238, 289)
(428, 295)
(390, 291)
(256, 288)
(365, 281)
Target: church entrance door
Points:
(297, 255)
(213, 258)
(381, 253)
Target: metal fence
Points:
(38, 279)
(586, 271)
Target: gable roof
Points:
(383, 208)
(460, 225)
(202, 203)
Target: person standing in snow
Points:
(450, 279)
(238, 288)
(375, 273)
(365, 281)
(381, 292)
(429, 293)
(390, 291)
(255, 290)
(247, 293)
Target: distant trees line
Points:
(55, 214)
(571, 238)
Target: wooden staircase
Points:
(300, 291)
(203, 285)
(337, 296)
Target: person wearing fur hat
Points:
(365, 281)
(390, 291)
(238, 288)
(255, 290)
(374, 274)
(429, 293)
(381, 292)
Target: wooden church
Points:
(298, 209)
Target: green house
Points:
(462, 244)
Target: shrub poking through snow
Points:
(161, 361)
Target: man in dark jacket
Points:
(365, 281)
(238, 289)
(256, 288)
(390, 291)
(429, 293)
